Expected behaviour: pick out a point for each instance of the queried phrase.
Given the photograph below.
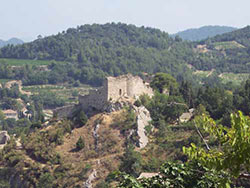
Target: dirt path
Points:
(19, 83)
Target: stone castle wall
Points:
(137, 87)
(127, 86)
(96, 99)
(113, 89)
(65, 111)
(117, 87)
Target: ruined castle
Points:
(114, 89)
(125, 87)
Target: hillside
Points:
(241, 36)
(49, 156)
(228, 52)
(109, 49)
(91, 52)
(12, 41)
(79, 150)
(203, 32)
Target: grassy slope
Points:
(164, 144)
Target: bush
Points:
(84, 171)
(46, 181)
(80, 144)
(80, 118)
(137, 103)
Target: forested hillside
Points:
(228, 52)
(242, 36)
(203, 32)
(111, 49)
(91, 52)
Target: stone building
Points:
(113, 90)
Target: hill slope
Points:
(229, 52)
(95, 51)
(241, 36)
(12, 41)
(113, 49)
(203, 32)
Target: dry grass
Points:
(110, 147)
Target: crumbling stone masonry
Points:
(125, 87)
(114, 89)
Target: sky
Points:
(26, 19)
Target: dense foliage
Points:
(94, 51)
(228, 52)
(203, 32)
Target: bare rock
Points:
(143, 119)
(91, 178)
(4, 138)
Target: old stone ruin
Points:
(116, 93)
(113, 95)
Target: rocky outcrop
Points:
(148, 175)
(91, 178)
(4, 138)
(143, 118)
(96, 136)
(185, 117)
(116, 106)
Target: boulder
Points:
(4, 137)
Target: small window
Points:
(120, 92)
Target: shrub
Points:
(137, 103)
(80, 118)
(84, 171)
(46, 180)
(80, 144)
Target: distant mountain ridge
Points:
(204, 32)
(13, 41)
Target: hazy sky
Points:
(26, 19)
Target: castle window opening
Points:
(120, 91)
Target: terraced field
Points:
(227, 45)
(234, 78)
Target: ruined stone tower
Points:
(114, 89)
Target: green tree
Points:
(233, 154)
(163, 81)
(187, 175)
(81, 118)
(131, 162)
(2, 116)
(46, 180)
(80, 144)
